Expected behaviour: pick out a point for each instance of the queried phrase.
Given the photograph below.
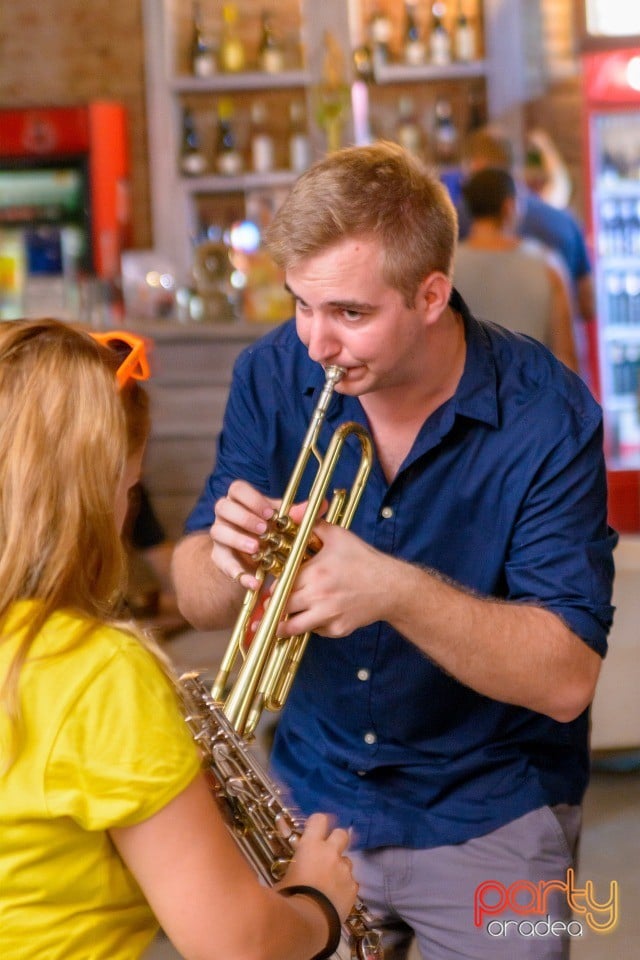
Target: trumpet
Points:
(269, 663)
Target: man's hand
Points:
(338, 590)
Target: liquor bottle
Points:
(228, 157)
(203, 61)
(476, 111)
(270, 53)
(232, 54)
(413, 46)
(192, 159)
(299, 145)
(464, 36)
(380, 33)
(408, 132)
(262, 143)
(439, 38)
(445, 133)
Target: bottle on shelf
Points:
(445, 133)
(408, 132)
(464, 36)
(414, 50)
(262, 143)
(299, 145)
(232, 55)
(270, 52)
(380, 31)
(228, 157)
(439, 38)
(193, 162)
(202, 56)
(476, 111)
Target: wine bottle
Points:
(380, 33)
(203, 62)
(299, 145)
(228, 157)
(192, 160)
(408, 132)
(439, 39)
(413, 46)
(464, 36)
(270, 54)
(262, 143)
(232, 52)
(445, 134)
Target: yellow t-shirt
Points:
(105, 746)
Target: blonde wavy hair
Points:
(65, 435)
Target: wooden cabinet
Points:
(187, 208)
(191, 372)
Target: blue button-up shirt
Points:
(503, 491)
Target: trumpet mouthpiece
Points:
(334, 373)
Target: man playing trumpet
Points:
(441, 707)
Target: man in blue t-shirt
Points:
(440, 709)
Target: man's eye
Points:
(351, 314)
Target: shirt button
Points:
(362, 773)
(370, 737)
(387, 512)
(363, 674)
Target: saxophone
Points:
(223, 721)
(265, 830)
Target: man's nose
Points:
(322, 344)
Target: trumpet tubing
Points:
(270, 663)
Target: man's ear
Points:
(433, 295)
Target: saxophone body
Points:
(264, 828)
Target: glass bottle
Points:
(464, 42)
(270, 53)
(262, 143)
(380, 33)
(203, 62)
(439, 38)
(228, 157)
(299, 145)
(413, 45)
(408, 132)
(232, 52)
(445, 134)
(192, 159)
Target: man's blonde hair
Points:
(379, 191)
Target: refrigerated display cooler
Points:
(612, 134)
(64, 200)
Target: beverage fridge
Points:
(64, 205)
(611, 79)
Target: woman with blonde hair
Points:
(107, 826)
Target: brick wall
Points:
(59, 52)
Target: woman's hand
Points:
(320, 862)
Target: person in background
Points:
(556, 228)
(508, 279)
(107, 825)
(545, 172)
(441, 707)
(150, 595)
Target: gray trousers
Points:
(455, 899)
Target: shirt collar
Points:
(476, 396)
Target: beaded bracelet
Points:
(330, 912)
